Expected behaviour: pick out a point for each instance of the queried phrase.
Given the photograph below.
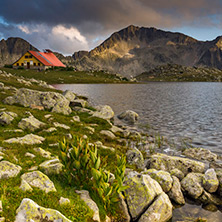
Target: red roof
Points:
(47, 58)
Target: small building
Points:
(38, 60)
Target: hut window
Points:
(39, 64)
(30, 56)
(34, 64)
(17, 64)
(26, 56)
(22, 64)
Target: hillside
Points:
(134, 50)
(12, 48)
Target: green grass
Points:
(57, 76)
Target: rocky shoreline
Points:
(155, 181)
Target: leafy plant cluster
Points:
(83, 168)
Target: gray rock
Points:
(50, 130)
(25, 186)
(30, 155)
(108, 134)
(79, 103)
(8, 170)
(39, 180)
(51, 167)
(178, 173)
(84, 195)
(7, 117)
(141, 191)
(60, 125)
(104, 112)
(76, 118)
(29, 139)
(219, 176)
(69, 95)
(2, 219)
(200, 154)
(129, 116)
(210, 182)
(162, 177)
(1, 208)
(216, 164)
(135, 157)
(208, 198)
(2, 85)
(43, 153)
(159, 211)
(30, 123)
(192, 183)
(117, 130)
(29, 211)
(124, 209)
(175, 193)
(168, 163)
(64, 201)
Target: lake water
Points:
(190, 112)
(180, 111)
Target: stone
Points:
(39, 180)
(49, 100)
(216, 164)
(60, 125)
(31, 155)
(47, 116)
(25, 186)
(43, 153)
(79, 103)
(2, 85)
(208, 198)
(159, 211)
(64, 201)
(118, 131)
(162, 177)
(51, 167)
(7, 117)
(8, 170)
(50, 130)
(15, 131)
(108, 134)
(1, 208)
(104, 112)
(167, 163)
(210, 182)
(2, 219)
(141, 192)
(84, 195)
(90, 129)
(29, 139)
(124, 209)
(178, 173)
(200, 154)
(30, 123)
(129, 116)
(175, 193)
(76, 118)
(219, 176)
(192, 183)
(31, 211)
(69, 95)
(135, 157)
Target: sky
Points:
(68, 26)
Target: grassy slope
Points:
(10, 193)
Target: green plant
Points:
(159, 140)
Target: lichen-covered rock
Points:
(192, 183)
(175, 193)
(84, 195)
(1, 209)
(219, 176)
(64, 201)
(39, 180)
(108, 134)
(61, 125)
(30, 123)
(25, 186)
(69, 95)
(159, 211)
(135, 157)
(117, 130)
(30, 211)
(51, 167)
(30, 155)
(104, 112)
(216, 164)
(29, 139)
(208, 198)
(141, 191)
(200, 154)
(162, 177)
(49, 100)
(43, 153)
(167, 163)
(78, 103)
(178, 173)
(50, 130)
(210, 182)
(129, 116)
(7, 117)
(76, 118)
(8, 170)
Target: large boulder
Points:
(162, 177)
(159, 211)
(104, 112)
(39, 180)
(29, 139)
(30, 123)
(210, 182)
(78, 103)
(168, 163)
(141, 192)
(31, 211)
(69, 95)
(200, 154)
(7, 117)
(129, 116)
(192, 184)
(135, 157)
(51, 167)
(48, 100)
(175, 193)
(8, 170)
